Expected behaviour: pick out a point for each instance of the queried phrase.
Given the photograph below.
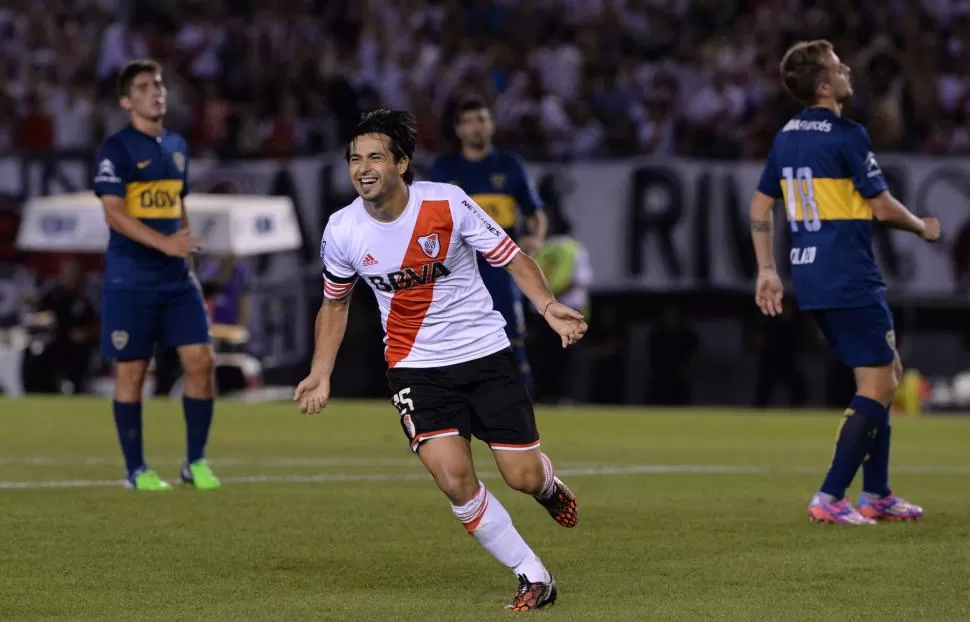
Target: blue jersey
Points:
(823, 167)
(150, 174)
(498, 183)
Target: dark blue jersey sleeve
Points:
(185, 179)
(439, 170)
(867, 177)
(525, 191)
(770, 183)
(113, 169)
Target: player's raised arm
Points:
(331, 325)
(769, 290)
(114, 170)
(868, 179)
(488, 238)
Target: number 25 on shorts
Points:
(402, 402)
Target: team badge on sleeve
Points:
(179, 159)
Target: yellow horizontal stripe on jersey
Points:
(501, 207)
(837, 199)
(161, 198)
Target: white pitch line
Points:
(603, 471)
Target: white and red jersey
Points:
(422, 267)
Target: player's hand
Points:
(313, 393)
(931, 229)
(181, 244)
(530, 244)
(568, 323)
(769, 292)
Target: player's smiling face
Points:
(146, 97)
(373, 170)
(475, 128)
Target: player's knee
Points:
(198, 362)
(129, 380)
(459, 484)
(526, 477)
(880, 384)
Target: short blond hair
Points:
(803, 68)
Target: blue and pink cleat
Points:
(890, 508)
(823, 509)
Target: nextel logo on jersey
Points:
(430, 244)
(408, 278)
(478, 213)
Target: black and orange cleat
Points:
(532, 596)
(561, 505)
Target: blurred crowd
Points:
(569, 79)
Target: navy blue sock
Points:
(520, 356)
(862, 421)
(128, 423)
(875, 470)
(198, 420)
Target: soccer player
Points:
(451, 371)
(497, 181)
(150, 294)
(823, 167)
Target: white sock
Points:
(549, 479)
(489, 523)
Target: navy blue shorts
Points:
(132, 322)
(860, 336)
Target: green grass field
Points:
(692, 515)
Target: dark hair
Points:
(398, 126)
(132, 70)
(472, 103)
(803, 69)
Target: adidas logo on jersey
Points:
(370, 260)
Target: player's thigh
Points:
(502, 412)
(449, 460)
(185, 320)
(429, 408)
(864, 339)
(129, 325)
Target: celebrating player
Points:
(497, 181)
(823, 167)
(150, 295)
(451, 371)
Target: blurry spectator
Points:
(73, 110)
(36, 126)
(120, 43)
(67, 357)
(225, 282)
(565, 262)
(586, 78)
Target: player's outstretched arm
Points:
(331, 325)
(769, 290)
(181, 244)
(888, 210)
(567, 322)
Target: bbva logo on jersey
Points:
(430, 244)
(407, 278)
